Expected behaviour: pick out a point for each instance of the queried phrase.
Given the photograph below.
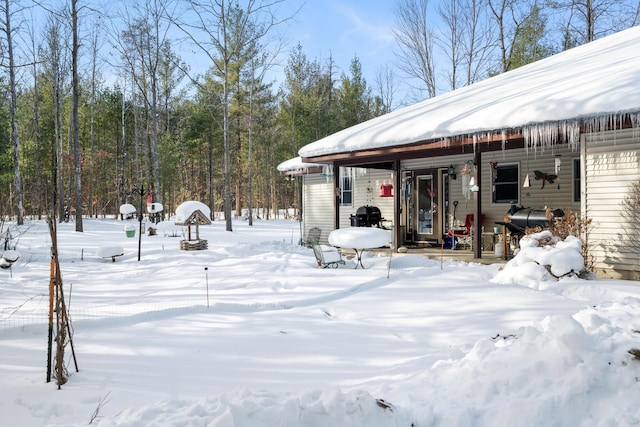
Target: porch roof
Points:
(594, 86)
(296, 166)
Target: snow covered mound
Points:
(542, 259)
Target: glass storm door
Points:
(426, 208)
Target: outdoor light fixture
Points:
(452, 172)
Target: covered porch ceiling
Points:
(384, 157)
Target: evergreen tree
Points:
(529, 43)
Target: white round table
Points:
(359, 239)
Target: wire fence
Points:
(35, 311)
(43, 254)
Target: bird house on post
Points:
(193, 214)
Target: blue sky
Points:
(344, 29)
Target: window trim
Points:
(343, 179)
(576, 180)
(516, 183)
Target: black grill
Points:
(521, 218)
(366, 216)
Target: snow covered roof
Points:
(601, 78)
(297, 165)
(193, 212)
(127, 209)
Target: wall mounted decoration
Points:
(545, 177)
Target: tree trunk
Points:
(74, 118)
(14, 117)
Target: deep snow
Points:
(280, 342)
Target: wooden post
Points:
(476, 239)
(50, 338)
(504, 242)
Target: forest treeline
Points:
(100, 108)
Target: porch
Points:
(437, 253)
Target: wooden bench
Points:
(110, 252)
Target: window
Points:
(576, 180)
(506, 183)
(346, 191)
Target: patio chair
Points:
(465, 238)
(326, 256)
(313, 236)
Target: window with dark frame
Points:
(577, 196)
(506, 183)
(346, 191)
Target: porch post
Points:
(396, 205)
(477, 210)
(336, 197)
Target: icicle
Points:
(327, 172)
(539, 136)
(635, 123)
(571, 133)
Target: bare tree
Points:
(259, 63)
(95, 44)
(634, 17)
(587, 20)
(75, 125)
(54, 70)
(35, 49)
(466, 40)
(415, 38)
(144, 46)
(478, 40)
(450, 12)
(210, 31)
(8, 32)
(386, 86)
(509, 18)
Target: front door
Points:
(426, 204)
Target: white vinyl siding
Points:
(318, 200)
(366, 192)
(553, 196)
(317, 204)
(591, 182)
(612, 164)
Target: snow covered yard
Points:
(279, 342)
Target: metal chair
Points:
(313, 235)
(466, 237)
(326, 256)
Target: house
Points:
(560, 133)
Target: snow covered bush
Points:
(543, 257)
(572, 225)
